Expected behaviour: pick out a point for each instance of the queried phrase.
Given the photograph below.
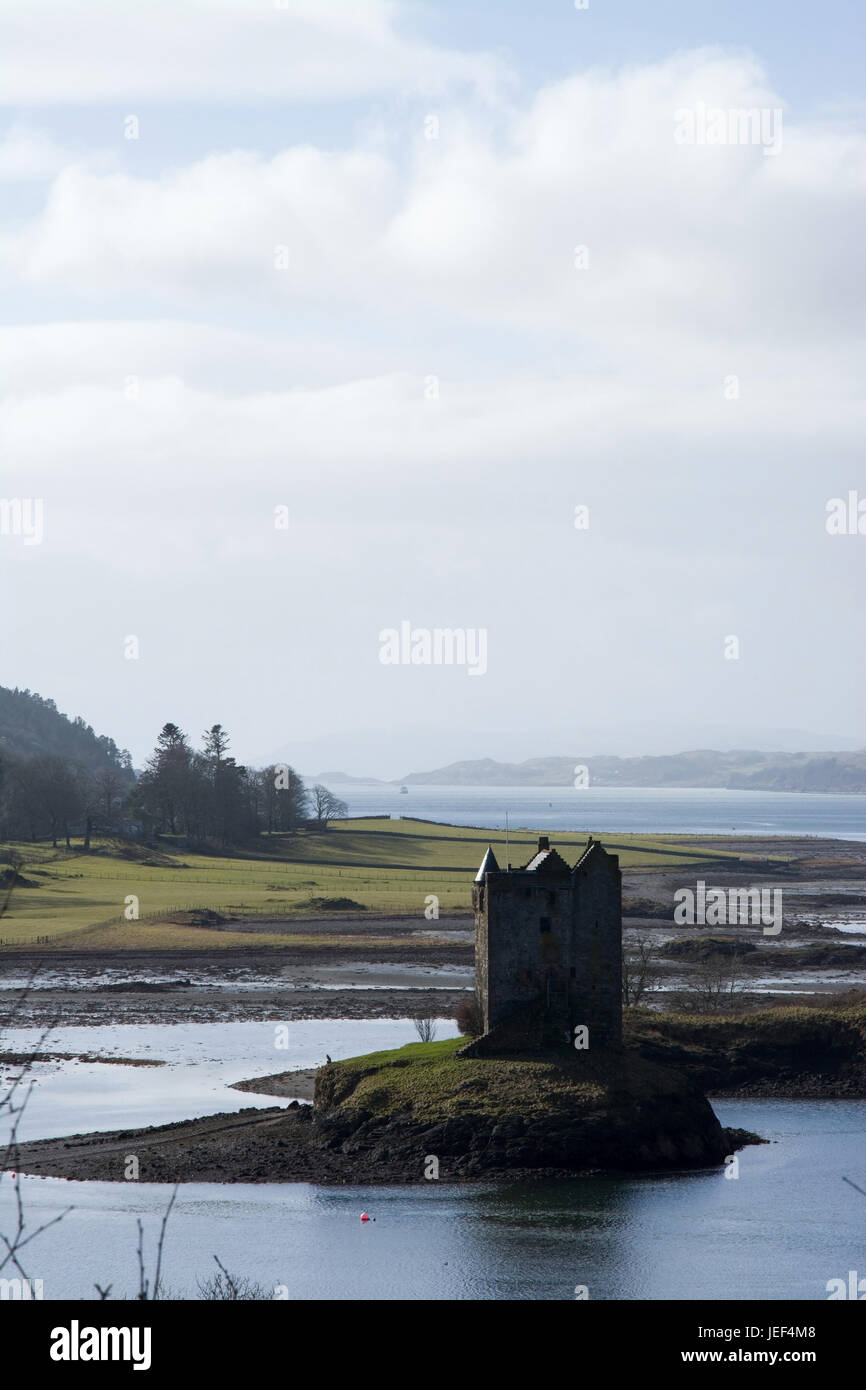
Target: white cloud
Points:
(683, 242)
(379, 449)
(87, 51)
(40, 359)
(29, 153)
(601, 386)
(222, 216)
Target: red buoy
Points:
(364, 1216)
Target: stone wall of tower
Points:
(596, 989)
(523, 939)
(511, 960)
(548, 945)
(480, 899)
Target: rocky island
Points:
(382, 1118)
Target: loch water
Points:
(781, 1229)
(606, 810)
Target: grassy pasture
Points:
(390, 867)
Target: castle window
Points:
(573, 972)
(544, 923)
(481, 899)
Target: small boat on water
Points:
(404, 791)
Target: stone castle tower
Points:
(548, 944)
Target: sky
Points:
(330, 326)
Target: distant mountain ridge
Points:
(745, 769)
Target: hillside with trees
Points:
(59, 780)
(31, 726)
(57, 776)
(207, 797)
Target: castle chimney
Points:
(543, 843)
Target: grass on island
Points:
(813, 1032)
(430, 1082)
(388, 867)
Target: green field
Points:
(389, 867)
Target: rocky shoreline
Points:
(479, 1120)
(378, 1119)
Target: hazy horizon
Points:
(353, 764)
(378, 754)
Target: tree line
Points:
(197, 795)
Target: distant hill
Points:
(33, 727)
(746, 770)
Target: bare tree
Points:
(13, 1102)
(469, 1016)
(714, 984)
(231, 1287)
(54, 783)
(89, 798)
(110, 788)
(148, 1292)
(16, 863)
(641, 971)
(282, 797)
(327, 806)
(426, 1029)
